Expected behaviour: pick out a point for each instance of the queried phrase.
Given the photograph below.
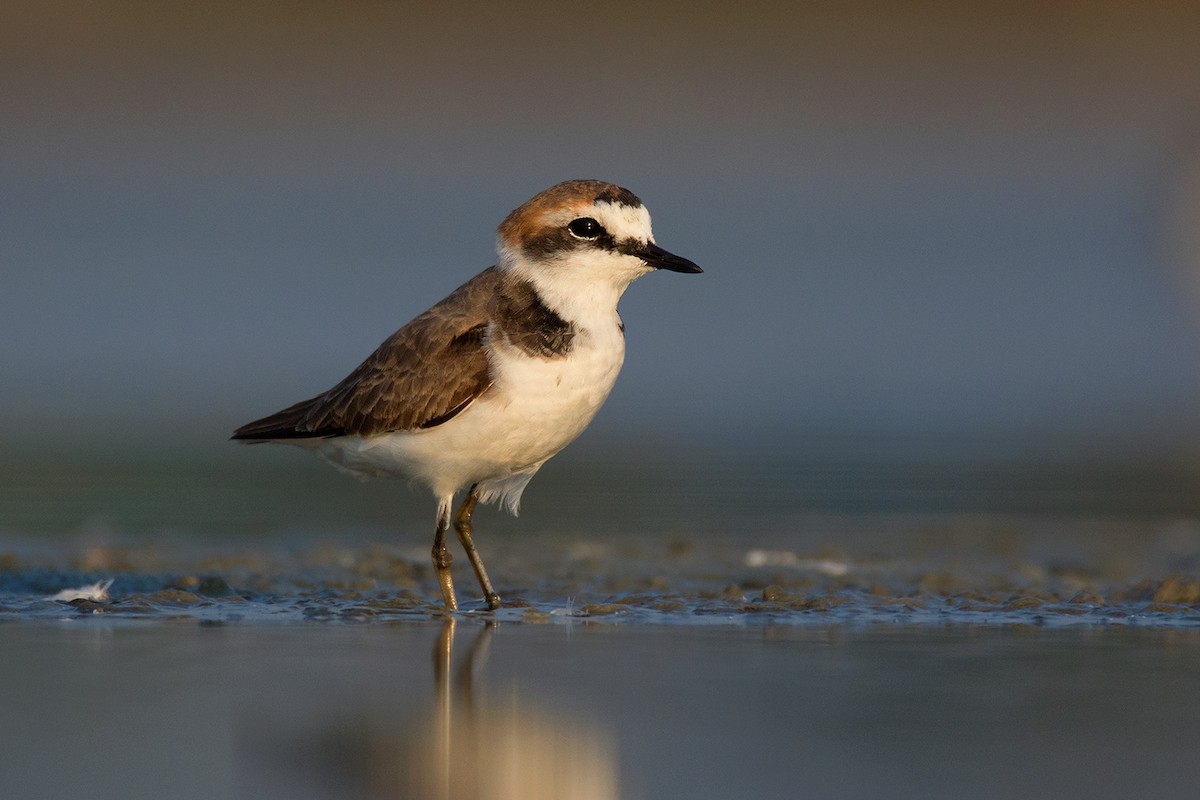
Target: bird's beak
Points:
(658, 258)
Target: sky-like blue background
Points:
(939, 227)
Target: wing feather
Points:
(421, 376)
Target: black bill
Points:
(658, 258)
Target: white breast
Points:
(542, 404)
(535, 407)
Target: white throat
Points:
(583, 288)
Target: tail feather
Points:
(290, 423)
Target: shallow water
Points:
(240, 636)
(104, 708)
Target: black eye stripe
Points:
(562, 240)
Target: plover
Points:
(483, 388)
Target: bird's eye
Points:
(585, 228)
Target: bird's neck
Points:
(585, 300)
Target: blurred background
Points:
(937, 236)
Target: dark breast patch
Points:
(529, 324)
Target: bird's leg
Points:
(441, 556)
(462, 525)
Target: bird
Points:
(479, 391)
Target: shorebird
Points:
(478, 392)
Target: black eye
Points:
(585, 228)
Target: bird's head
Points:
(584, 232)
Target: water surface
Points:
(237, 633)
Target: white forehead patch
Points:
(624, 222)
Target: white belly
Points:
(535, 407)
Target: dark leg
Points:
(462, 525)
(441, 556)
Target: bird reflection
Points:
(471, 748)
(507, 750)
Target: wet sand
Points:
(894, 569)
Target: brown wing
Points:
(421, 376)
